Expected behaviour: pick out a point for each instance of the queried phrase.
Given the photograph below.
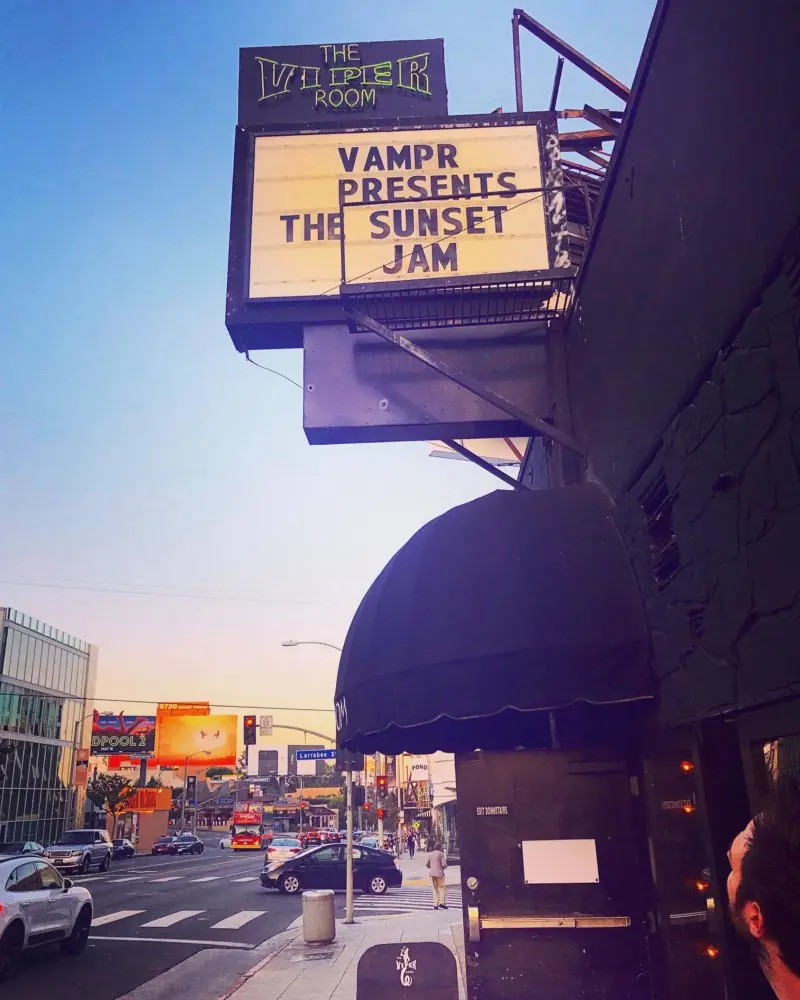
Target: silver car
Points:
(80, 850)
(37, 907)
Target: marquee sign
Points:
(455, 199)
(351, 80)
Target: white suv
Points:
(38, 906)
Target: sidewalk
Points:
(296, 971)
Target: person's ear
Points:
(753, 918)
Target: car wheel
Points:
(85, 865)
(377, 885)
(289, 884)
(76, 942)
(105, 864)
(10, 952)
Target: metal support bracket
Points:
(483, 464)
(467, 382)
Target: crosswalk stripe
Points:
(168, 878)
(111, 918)
(173, 918)
(250, 878)
(208, 878)
(237, 920)
(129, 878)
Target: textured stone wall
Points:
(725, 613)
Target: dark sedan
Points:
(325, 868)
(123, 848)
(162, 846)
(187, 843)
(22, 847)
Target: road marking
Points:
(250, 878)
(166, 940)
(167, 878)
(111, 918)
(173, 918)
(128, 878)
(237, 920)
(208, 878)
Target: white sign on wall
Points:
(559, 862)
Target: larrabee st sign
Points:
(313, 211)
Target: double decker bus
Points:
(248, 828)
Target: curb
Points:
(278, 942)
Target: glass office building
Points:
(47, 681)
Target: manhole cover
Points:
(313, 956)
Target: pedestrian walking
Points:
(437, 864)
(412, 845)
(764, 888)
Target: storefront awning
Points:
(519, 602)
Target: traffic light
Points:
(367, 806)
(359, 795)
(191, 787)
(381, 813)
(381, 784)
(349, 760)
(249, 730)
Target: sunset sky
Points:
(158, 495)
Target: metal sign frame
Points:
(260, 324)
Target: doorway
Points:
(554, 877)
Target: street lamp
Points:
(310, 642)
(185, 780)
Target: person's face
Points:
(747, 919)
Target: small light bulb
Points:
(689, 808)
(711, 951)
(686, 766)
(701, 885)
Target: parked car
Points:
(79, 850)
(162, 846)
(38, 906)
(225, 842)
(325, 868)
(310, 838)
(22, 847)
(123, 848)
(369, 842)
(187, 843)
(282, 848)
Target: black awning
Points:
(520, 602)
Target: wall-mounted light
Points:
(686, 766)
(701, 885)
(711, 951)
(688, 808)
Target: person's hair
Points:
(771, 870)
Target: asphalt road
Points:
(152, 913)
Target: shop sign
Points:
(294, 84)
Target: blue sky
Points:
(139, 449)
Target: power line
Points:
(98, 587)
(214, 704)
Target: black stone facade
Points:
(718, 560)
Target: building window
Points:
(657, 503)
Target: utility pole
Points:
(183, 796)
(348, 919)
(378, 804)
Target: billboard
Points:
(209, 740)
(131, 735)
(408, 205)
(341, 82)
(167, 708)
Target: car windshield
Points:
(164, 840)
(185, 839)
(77, 837)
(118, 843)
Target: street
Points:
(152, 913)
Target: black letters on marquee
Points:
(298, 84)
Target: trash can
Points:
(319, 920)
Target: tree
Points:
(218, 772)
(110, 792)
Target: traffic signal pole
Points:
(348, 919)
(378, 801)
